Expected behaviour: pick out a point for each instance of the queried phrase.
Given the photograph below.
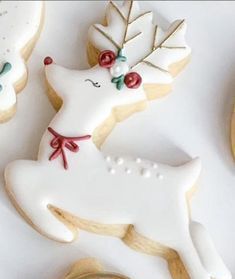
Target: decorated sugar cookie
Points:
(91, 269)
(20, 24)
(72, 185)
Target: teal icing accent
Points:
(119, 81)
(5, 69)
(120, 56)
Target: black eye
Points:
(95, 84)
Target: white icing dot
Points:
(119, 68)
(128, 171)
(145, 173)
(108, 158)
(138, 160)
(112, 171)
(119, 161)
(155, 165)
(159, 176)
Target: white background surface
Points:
(192, 121)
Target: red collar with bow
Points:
(59, 143)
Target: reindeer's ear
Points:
(149, 50)
(84, 266)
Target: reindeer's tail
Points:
(191, 171)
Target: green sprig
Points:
(120, 56)
(6, 68)
(119, 81)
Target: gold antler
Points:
(155, 47)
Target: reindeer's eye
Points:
(95, 84)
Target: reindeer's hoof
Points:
(48, 60)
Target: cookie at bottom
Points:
(90, 268)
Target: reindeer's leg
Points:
(210, 259)
(190, 259)
(31, 203)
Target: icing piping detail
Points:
(161, 48)
(5, 69)
(60, 142)
(48, 60)
(119, 69)
(154, 48)
(107, 36)
(95, 84)
(118, 11)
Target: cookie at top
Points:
(20, 25)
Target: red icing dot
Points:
(48, 60)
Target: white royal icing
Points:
(19, 22)
(145, 45)
(103, 188)
(119, 68)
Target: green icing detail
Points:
(120, 85)
(120, 56)
(115, 79)
(120, 52)
(119, 81)
(6, 68)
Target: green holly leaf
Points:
(115, 79)
(6, 68)
(120, 56)
(119, 81)
(120, 84)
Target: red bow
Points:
(59, 142)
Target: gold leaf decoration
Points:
(155, 66)
(132, 38)
(139, 17)
(177, 28)
(152, 46)
(118, 10)
(108, 37)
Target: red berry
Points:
(133, 80)
(107, 58)
(48, 60)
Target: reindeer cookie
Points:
(138, 53)
(91, 269)
(20, 24)
(72, 185)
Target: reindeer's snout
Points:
(48, 60)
